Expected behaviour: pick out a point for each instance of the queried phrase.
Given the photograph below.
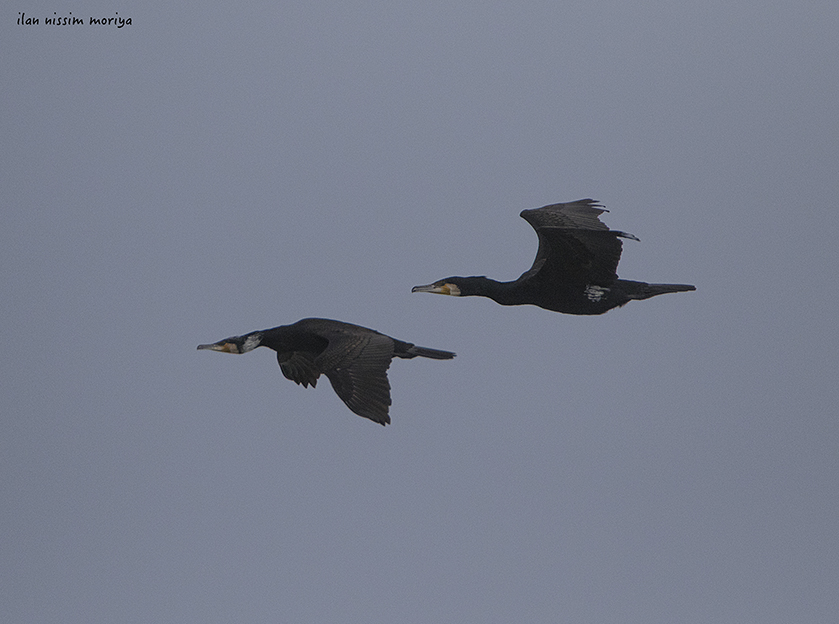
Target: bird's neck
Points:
(504, 293)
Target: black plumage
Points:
(575, 270)
(355, 359)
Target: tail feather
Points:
(645, 291)
(408, 350)
(434, 354)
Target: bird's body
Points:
(575, 270)
(355, 359)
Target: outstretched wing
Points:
(575, 247)
(356, 364)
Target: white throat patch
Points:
(251, 342)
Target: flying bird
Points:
(354, 359)
(575, 271)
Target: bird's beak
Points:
(438, 289)
(223, 346)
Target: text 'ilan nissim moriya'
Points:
(70, 20)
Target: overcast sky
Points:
(213, 169)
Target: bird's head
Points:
(454, 286)
(235, 344)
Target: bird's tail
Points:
(408, 350)
(641, 290)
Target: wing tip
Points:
(625, 235)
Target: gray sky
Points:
(210, 170)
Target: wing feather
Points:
(299, 367)
(575, 247)
(356, 365)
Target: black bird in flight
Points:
(354, 359)
(575, 271)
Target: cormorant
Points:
(575, 271)
(354, 359)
